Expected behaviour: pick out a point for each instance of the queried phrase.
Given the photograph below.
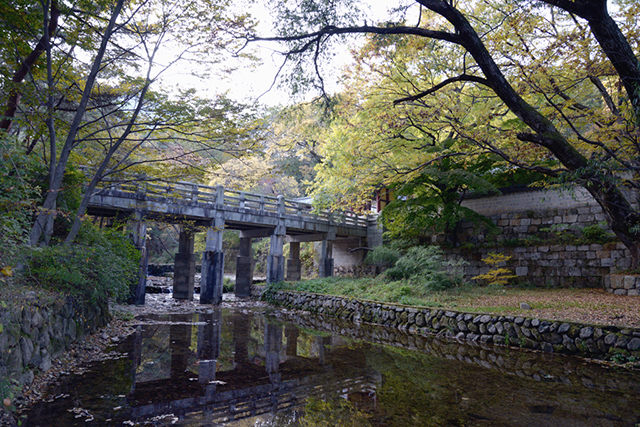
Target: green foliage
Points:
(272, 289)
(427, 267)
(621, 357)
(333, 411)
(18, 196)
(103, 264)
(382, 256)
(595, 233)
(431, 202)
(261, 249)
(228, 286)
(429, 272)
(308, 254)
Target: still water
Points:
(264, 367)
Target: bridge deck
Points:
(184, 201)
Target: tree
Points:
(432, 201)
(257, 174)
(513, 56)
(104, 114)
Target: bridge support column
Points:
(241, 337)
(275, 260)
(184, 269)
(179, 340)
(291, 332)
(139, 234)
(326, 259)
(272, 347)
(294, 266)
(209, 347)
(244, 268)
(213, 263)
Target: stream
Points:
(257, 366)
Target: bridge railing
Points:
(188, 192)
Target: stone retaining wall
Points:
(537, 212)
(534, 366)
(515, 331)
(533, 219)
(585, 266)
(37, 332)
(621, 284)
(355, 270)
(554, 265)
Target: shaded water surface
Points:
(242, 367)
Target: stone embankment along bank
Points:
(37, 332)
(515, 331)
(488, 356)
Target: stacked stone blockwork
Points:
(516, 331)
(529, 224)
(552, 265)
(37, 332)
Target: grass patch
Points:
(567, 304)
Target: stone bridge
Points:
(216, 209)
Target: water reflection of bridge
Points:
(216, 209)
(262, 377)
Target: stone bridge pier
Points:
(216, 209)
(213, 258)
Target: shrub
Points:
(427, 267)
(103, 264)
(496, 275)
(595, 233)
(228, 285)
(382, 256)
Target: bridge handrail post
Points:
(281, 206)
(242, 200)
(194, 194)
(262, 204)
(219, 197)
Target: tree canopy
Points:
(83, 84)
(552, 86)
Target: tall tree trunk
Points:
(61, 165)
(620, 213)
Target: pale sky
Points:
(249, 82)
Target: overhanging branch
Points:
(365, 29)
(460, 78)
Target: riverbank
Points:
(581, 305)
(492, 325)
(98, 345)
